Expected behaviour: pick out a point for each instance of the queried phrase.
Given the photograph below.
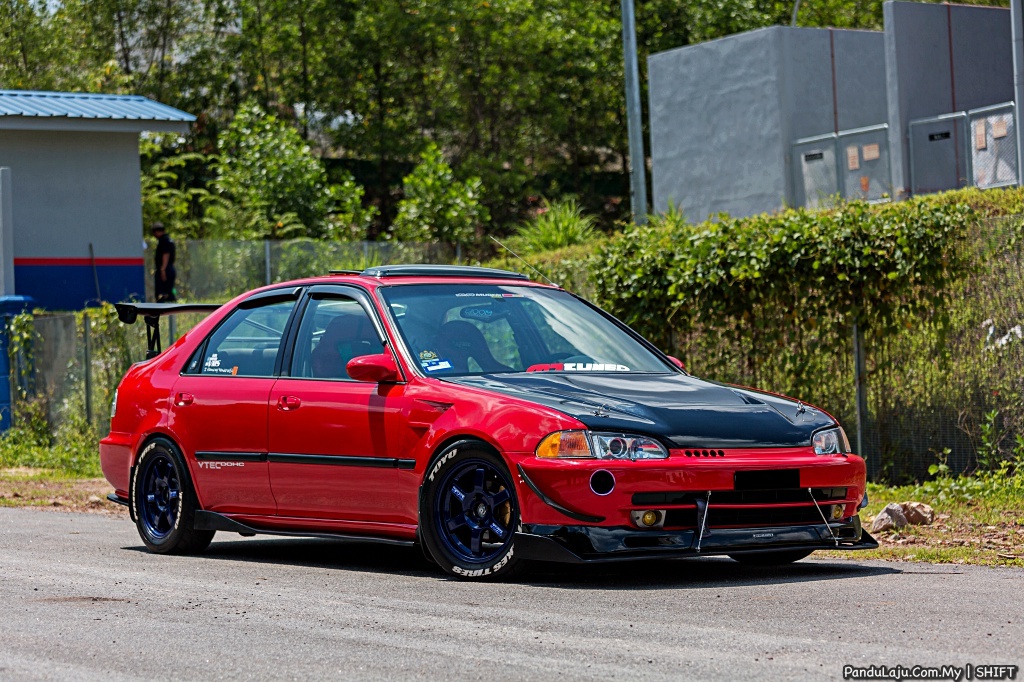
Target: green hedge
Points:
(769, 301)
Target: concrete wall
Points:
(724, 114)
(941, 59)
(716, 129)
(71, 189)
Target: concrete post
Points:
(6, 235)
(1017, 31)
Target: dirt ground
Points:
(30, 488)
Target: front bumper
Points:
(595, 544)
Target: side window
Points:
(334, 330)
(247, 343)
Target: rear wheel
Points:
(164, 501)
(469, 514)
(778, 558)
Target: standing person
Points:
(165, 272)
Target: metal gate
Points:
(966, 148)
(850, 164)
(993, 142)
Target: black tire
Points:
(778, 558)
(469, 513)
(164, 501)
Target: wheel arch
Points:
(143, 444)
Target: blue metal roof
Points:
(83, 105)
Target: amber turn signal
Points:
(564, 444)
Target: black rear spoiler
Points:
(152, 312)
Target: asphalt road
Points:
(81, 599)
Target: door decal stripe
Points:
(231, 456)
(342, 460)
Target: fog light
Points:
(837, 512)
(648, 518)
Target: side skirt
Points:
(208, 520)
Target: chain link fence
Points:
(211, 270)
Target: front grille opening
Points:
(739, 497)
(760, 516)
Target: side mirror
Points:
(677, 362)
(379, 369)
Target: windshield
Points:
(472, 329)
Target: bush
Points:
(556, 226)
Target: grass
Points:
(979, 520)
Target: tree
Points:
(268, 171)
(437, 207)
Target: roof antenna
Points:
(523, 261)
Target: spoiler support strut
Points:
(128, 313)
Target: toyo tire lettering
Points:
(469, 513)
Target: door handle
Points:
(287, 403)
(183, 399)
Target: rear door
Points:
(336, 444)
(221, 403)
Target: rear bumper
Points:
(595, 544)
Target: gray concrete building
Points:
(71, 224)
(950, 91)
(787, 116)
(725, 115)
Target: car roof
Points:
(385, 275)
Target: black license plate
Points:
(773, 479)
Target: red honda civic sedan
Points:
(491, 419)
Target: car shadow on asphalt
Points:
(632, 575)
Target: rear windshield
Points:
(465, 330)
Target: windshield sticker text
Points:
(578, 367)
(436, 365)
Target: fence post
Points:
(859, 374)
(266, 260)
(87, 338)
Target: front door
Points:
(335, 443)
(221, 404)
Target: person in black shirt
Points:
(165, 273)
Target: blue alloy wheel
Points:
(474, 511)
(161, 496)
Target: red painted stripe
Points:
(79, 261)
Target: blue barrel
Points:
(9, 307)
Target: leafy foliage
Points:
(437, 207)
(557, 225)
(269, 173)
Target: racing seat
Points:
(461, 341)
(346, 337)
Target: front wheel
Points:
(164, 501)
(777, 558)
(469, 514)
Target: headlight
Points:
(830, 442)
(598, 445)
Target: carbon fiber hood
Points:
(685, 411)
